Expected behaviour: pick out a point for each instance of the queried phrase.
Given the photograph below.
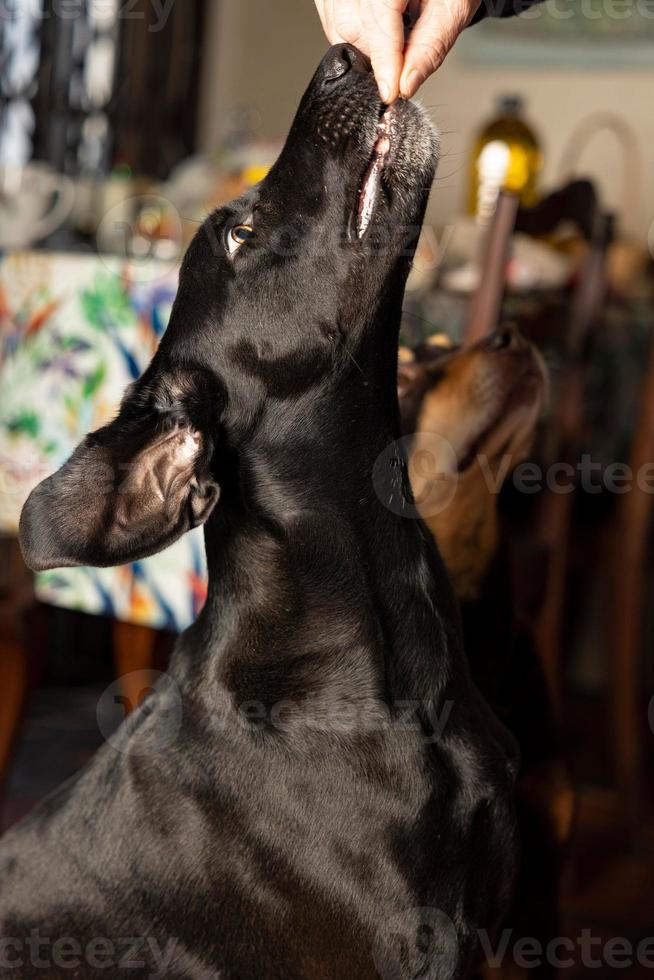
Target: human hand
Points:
(377, 27)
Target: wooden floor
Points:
(609, 886)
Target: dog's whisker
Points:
(452, 173)
(409, 315)
(354, 361)
(434, 105)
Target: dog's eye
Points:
(237, 236)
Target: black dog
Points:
(319, 789)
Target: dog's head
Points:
(473, 412)
(284, 329)
(484, 400)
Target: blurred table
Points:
(75, 330)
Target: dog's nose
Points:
(340, 61)
(503, 339)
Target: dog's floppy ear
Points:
(134, 486)
(416, 374)
(412, 383)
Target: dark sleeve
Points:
(502, 8)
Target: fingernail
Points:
(384, 90)
(411, 82)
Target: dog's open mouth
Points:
(369, 191)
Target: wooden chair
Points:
(629, 568)
(137, 657)
(16, 598)
(137, 651)
(547, 548)
(486, 304)
(552, 528)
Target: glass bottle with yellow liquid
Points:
(507, 156)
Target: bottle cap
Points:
(510, 105)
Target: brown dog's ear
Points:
(133, 487)
(412, 383)
(417, 375)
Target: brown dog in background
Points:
(472, 415)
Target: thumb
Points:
(384, 31)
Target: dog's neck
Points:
(336, 594)
(466, 531)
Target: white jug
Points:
(34, 202)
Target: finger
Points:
(348, 25)
(384, 30)
(326, 13)
(320, 7)
(436, 30)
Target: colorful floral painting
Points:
(74, 331)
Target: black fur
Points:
(335, 798)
